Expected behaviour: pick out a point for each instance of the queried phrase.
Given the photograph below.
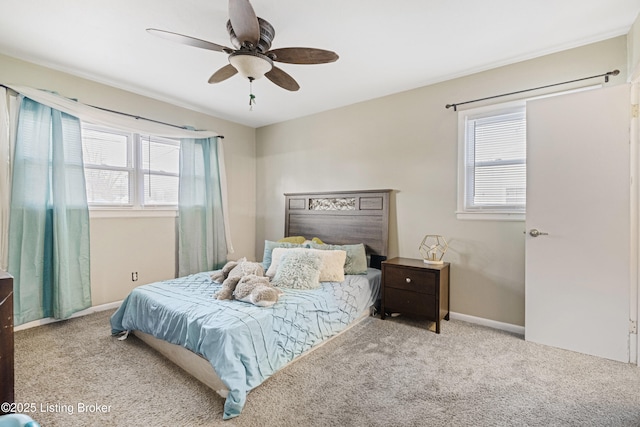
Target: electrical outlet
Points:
(134, 276)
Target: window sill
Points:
(132, 213)
(491, 216)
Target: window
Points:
(129, 170)
(492, 162)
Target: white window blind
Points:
(128, 169)
(494, 161)
(160, 162)
(108, 166)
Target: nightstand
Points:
(412, 286)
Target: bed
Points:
(233, 346)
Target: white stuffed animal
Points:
(249, 277)
(257, 290)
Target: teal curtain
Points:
(49, 216)
(202, 244)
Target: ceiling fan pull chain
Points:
(252, 97)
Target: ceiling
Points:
(385, 47)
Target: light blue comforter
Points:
(245, 344)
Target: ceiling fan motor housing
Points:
(267, 34)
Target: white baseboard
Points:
(509, 327)
(90, 310)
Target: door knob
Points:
(535, 233)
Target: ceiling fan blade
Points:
(282, 79)
(303, 55)
(223, 74)
(244, 21)
(191, 41)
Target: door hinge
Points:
(635, 111)
(633, 327)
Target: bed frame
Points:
(339, 217)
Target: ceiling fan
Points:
(251, 37)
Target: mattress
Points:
(245, 344)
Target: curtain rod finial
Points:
(610, 73)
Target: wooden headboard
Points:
(341, 217)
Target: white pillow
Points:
(298, 270)
(331, 267)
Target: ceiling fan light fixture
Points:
(250, 65)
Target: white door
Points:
(577, 280)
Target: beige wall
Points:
(633, 48)
(120, 246)
(408, 142)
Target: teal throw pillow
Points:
(356, 262)
(269, 246)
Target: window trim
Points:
(118, 212)
(129, 168)
(492, 214)
(136, 180)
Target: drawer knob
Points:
(408, 279)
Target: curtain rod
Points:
(605, 75)
(144, 118)
(131, 115)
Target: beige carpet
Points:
(380, 373)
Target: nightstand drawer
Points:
(402, 301)
(422, 281)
